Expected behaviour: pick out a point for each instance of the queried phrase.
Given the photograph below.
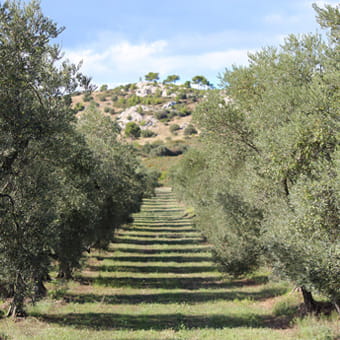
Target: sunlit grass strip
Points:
(162, 290)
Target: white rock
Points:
(148, 88)
(169, 104)
(131, 114)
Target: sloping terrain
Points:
(157, 281)
(152, 106)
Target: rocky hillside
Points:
(146, 111)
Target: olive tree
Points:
(62, 189)
(271, 171)
(34, 110)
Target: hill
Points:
(161, 111)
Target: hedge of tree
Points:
(266, 180)
(64, 185)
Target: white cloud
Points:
(273, 18)
(124, 61)
(281, 19)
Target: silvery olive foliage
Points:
(265, 181)
(64, 187)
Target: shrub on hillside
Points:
(160, 151)
(181, 96)
(190, 130)
(108, 109)
(152, 100)
(93, 103)
(164, 116)
(183, 111)
(148, 133)
(174, 127)
(133, 100)
(102, 97)
(121, 102)
(132, 130)
(87, 97)
(179, 148)
(79, 107)
(103, 88)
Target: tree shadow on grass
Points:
(158, 242)
(163, 251)
(173, 235)
(162, 209)
(155, 224)
(164, 220)
(111, 321)
(154, 269)
(164, 259)
(191, 283)
(169, 229)
(176, 297)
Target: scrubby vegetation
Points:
(148, 133)
(166, 102)
(132, 130)
(190, 130)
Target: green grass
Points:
(157, 281)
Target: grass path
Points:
(157, 281)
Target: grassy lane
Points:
(157, 281)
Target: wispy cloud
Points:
(321, 3)
(298, 15)
(279, 19)
(129, 61)
(121, 57)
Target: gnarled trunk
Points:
(310, 303)
(65, 271)
(40, 290)
(16, 308)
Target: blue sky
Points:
(121, 41)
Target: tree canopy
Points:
(200, 80)
(265, 181)
(152, 76)
(64, 185)
(171, 79)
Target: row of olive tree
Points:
(266, 180)
(64, 185)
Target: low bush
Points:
(190, 130)
(103, 88)
(102, 97)
(94, 103)
(174, 127)
(164, 116)
(79, 107)
(148, 133)
(87, 97)
(132, 130)
(183, 111)
(160, 151)
(133, 100)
